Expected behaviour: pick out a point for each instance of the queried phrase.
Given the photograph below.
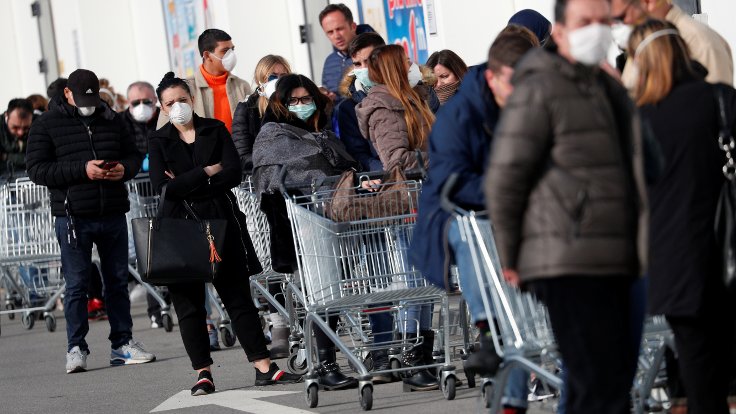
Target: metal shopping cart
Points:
(357, 267)
(649, 393)
(30, 258)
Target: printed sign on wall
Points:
(185, 20)
(399, 22)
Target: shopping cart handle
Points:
(447, 189)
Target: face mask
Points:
(180, 113)
(228, 60)
(86, 110)
(361, 74)
(589, 45)
(303, 112)
(142, 113)
(621, 33)
(415, 75)
(268, 88)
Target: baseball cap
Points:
(85, 87)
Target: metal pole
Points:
(49, 63)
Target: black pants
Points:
(188, 299)
(591, 321)
(704, 346)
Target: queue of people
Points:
(594, 177)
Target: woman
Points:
(449, 69)
(397, 121)
(248, 115)
(685, 283)
(293, 137)
(195, 159)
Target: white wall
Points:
(19, 72)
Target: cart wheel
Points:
(295, 367)
(448, 387)
(395, 365)
(487, 393)
(294, 349)
(167, 322)
(27, 320)
(312, 396)
(368, 362)
(50, 323)
(228, 339)
(471, 379)
(9, 307)
(366, 398)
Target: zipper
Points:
(148, 259)
(94, 155)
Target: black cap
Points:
(85, 87)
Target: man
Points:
(705, 44)
(566, 193)
(142, 113)
(83, 153)
(215, 89)
(14, 126)
(56, 88)
(460, 143)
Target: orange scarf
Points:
(218, 84)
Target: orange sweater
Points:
(219, 91)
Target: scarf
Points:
(445, 92)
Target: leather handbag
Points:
(178, 250)
(725, 223)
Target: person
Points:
(460, 143)
(215, 89)
(337, 22)
(117, 102)
(15, 123)
(685, 282)
(293, 136)
(534, 21)
(706, 45)
(194, 159)
(449, 69)
(40, 104)
(142, 113)
(82, 152)
(566, 193)
(56, 88)
(249, 114)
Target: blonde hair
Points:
(264, 67)
(387, 66)
(661, 63)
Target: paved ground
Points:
(34, 380)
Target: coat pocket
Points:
(570, 195)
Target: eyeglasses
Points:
(304, 100)
(141, 101)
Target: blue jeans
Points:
(516, 392)
(110, 234)
(414, 315)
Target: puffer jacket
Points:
(59, 146)
(246, 126)
(566, 188)
(381, 120)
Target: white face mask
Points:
(180, 113)
(86, 110)
(268, 88)
(589, 44)
(228, 60)
(621, 33)
(415, 75)
(142, 112)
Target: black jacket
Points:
(15, 162)
(141, 130)
(210, 197)
(246, 125)
(59, 146)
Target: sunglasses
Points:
(141, 101)
(305, 100)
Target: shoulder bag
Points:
(725, 223)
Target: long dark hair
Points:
(279, 102)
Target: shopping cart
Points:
(358, 267)
(649, 393)
(30, 257)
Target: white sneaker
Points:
(137, 294)
(131, 353)
(155, 323)
(76, 360)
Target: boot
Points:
(279, 343)
(485, 361)
(428, 351)
(330, 377)
(420, 379)
(381, 362)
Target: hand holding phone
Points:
(109, 165)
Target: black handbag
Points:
(725, 223)
(177, 250)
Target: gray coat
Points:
(565, 187)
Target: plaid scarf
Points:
(445, 92)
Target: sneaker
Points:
(76, 360)
(156, 322)
(276, 376)
(130, 353)
(204, 384)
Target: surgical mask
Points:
(589, 44)
(303, 112)
(268, 88)
(142, 112)
(86, 110)
(621, 33)
(361, 74)
(415, 75)
(180, 113)
(228, 60)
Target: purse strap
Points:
(162, 200)
(725, 138)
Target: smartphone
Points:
(108, 165)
